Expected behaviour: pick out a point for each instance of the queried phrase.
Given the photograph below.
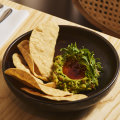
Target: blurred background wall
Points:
(60, 8)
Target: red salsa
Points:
(74, 70)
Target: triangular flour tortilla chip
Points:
(19, 63)
(24, 49)
(30, 81)
(23, 76)
(42, 46)
(51, 84)
(65, 98)
(52, 91)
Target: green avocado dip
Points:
(76, 70)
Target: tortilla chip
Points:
(42, 46)
(53, 92)
(27, 79)
(51, 84)
(66, 98)
(24, 49)
(19, 63)
(23, 76)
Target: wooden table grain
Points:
(13, 109)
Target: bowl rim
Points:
(67, 102)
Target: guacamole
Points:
(76, 70)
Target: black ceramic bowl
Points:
(70, 34)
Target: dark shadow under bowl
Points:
(70, 34)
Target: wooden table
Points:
(12, 109)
